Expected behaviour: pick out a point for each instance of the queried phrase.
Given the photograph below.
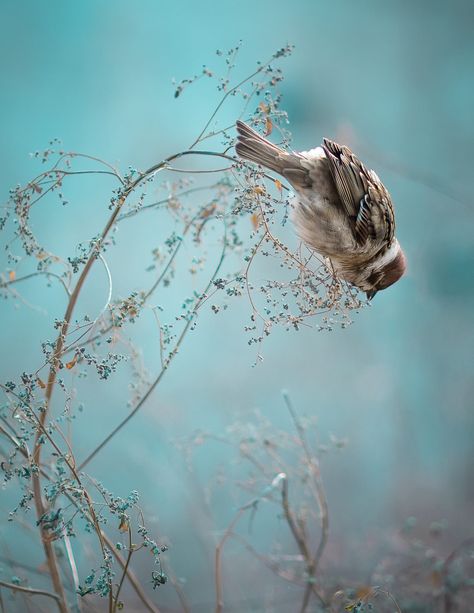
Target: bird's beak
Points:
(371, 294)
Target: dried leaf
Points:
(256, 220)
(41, 383)
(12, 275)
(268, 126)
(208, 211)
(264, 107)
(174, 203)
(72, 363)
(278, 185)
(35, 187)
(123, 526)
(259, 190)
(363, 592)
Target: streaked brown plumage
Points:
(342, 210)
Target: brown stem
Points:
(134, 582)
(179, 591)
(155, 383)
(39, 504)
(273, 566)
(319, 494)
(55, 362)
(29, 590)
(125, 568)
(218, 555)
(303, 547)
(49, 551)
(75, 345)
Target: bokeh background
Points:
(393, 81)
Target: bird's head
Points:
(388, 273)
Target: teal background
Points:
(391, 79)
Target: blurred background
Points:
(391, 80)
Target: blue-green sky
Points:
(394, 80)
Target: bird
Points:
(341, 209)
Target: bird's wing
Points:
(363, 196)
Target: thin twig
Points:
(29, 590)
(251, 505)
(57, 353)
(125, 569)
(302, 546)
(218, 555)
(134, 582)
(273, 566)
(5, 283)
(313, 465)
(228, 93)
(179, 590)
(73, 566)
(159, 377)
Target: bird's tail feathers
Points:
(251, 146)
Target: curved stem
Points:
(300, 539)
(320, 494)
(29, 590)
(35, 274)
(228, 93)
(218, 555)
(55, 362)
(38, 495)
(125, 569)
(155, 383)
(134, 582)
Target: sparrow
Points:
(341, 209)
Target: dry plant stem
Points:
(376, 590)
(28, 590)
(303, 547)
(134, 582)
(218, 556)
(73, 567)
(104, 538)
(38, 496)
(390, 597)
(228, 93)
(251, 505)
(58, 350)
(125, 568)
(165, 201)
(273, 566)
(179, 592)
(35, 274)
(93, 517)
(313, 464)
(76, 344)
(162, 371)
(320, 496)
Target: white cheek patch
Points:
(388, 256)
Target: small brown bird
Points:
(341, 210)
